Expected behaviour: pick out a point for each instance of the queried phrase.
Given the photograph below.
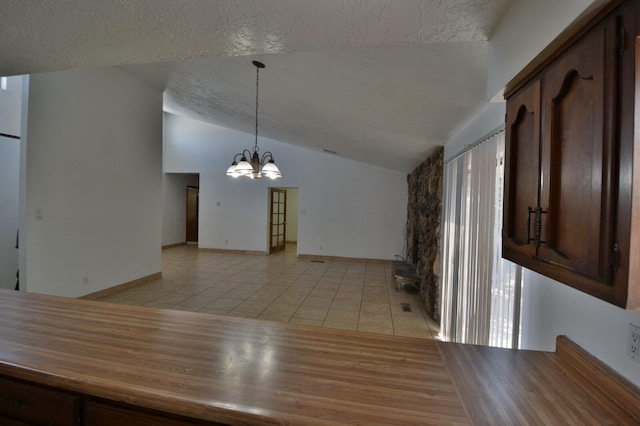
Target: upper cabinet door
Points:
(522, 173)
(578, 158)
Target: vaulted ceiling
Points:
(380, 81)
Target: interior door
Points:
(277, 222)
(192, 214)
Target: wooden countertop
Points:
(241, 371)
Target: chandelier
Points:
(258, 166)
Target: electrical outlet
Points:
(633, 344)
(85, 280)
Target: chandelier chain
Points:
(255, 147)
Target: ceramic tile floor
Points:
(335, 294)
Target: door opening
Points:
(192, 214)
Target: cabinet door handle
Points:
(529, 211)
(614, 257)
(538, 226)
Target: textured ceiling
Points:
(381, 81)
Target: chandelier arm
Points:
(265, 156)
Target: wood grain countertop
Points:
(241, 371)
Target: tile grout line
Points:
(195, 275)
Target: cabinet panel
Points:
(10, 422)
(37, 405)
(522, 171)
(103, 414)
(577, 162)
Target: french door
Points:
(277, 222)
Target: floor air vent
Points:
(405, 307)
(317, 261)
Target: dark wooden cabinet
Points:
(100, 413)
(522, 172)
(25, 403)
(567, 183)
(577, 194)
(36, 405)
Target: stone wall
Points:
(423, 227)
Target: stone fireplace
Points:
(424, 211)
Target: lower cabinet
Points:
(10, 422)
(98, 413)
(24, 403)
(37, 405)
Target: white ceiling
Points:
(380, 81)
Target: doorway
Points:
(193, 193)
(282, 219)
(277, 220)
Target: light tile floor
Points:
(339, 294)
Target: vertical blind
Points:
(480, 290)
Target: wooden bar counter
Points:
(67, 361)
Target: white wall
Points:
(10, 123)
(484, 124)
(174, 206)
(9, 220)
(346, 208)
(527, 28)
(292, 215)
(549, 308)
(93, 181)
(11, 106)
